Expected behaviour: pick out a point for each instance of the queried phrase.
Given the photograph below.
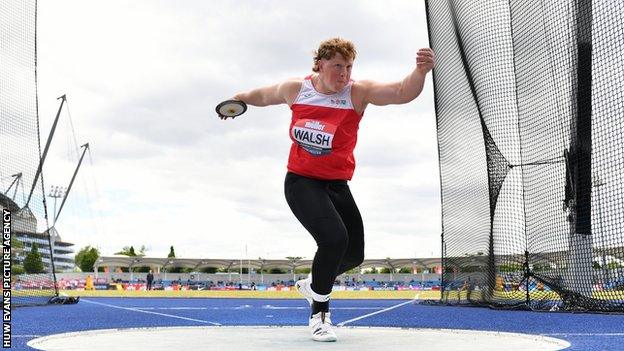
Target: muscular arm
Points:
(398, 92)
(282, 93)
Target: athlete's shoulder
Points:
(293, 81)
(362, 84)
(359, 89)
(290, 89)
(291, 85)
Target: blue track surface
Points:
(583, 331)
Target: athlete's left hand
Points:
(425, 60)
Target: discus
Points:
(231, 108)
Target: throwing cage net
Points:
(530, 104)
(22, 196)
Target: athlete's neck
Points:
(317, 82)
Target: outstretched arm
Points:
(399, 92)
(282, 93)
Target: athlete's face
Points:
(336, 72)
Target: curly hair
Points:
(328, 49)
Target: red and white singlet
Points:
(324, 133)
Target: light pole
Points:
(56, 192)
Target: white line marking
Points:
(242, 307)
(270, 307)
(25, 336)
(149, 312)
(377, 312)
(266, 307)
(584, 334)
(170, 308)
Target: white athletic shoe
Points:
(304, 287)
(321, 327)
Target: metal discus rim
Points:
(231, 108)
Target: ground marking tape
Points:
(149, 312)
(377, 312)
(584, 334)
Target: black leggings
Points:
(327, 210)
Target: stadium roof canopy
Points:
(258, 264)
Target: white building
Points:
(24, 229)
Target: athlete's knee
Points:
(357, 258)
(353, 259)
(332, 235)
(336, 242)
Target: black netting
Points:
(529, 105)
(21, 190)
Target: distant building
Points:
(63, 251)
(24, 228)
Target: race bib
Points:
(314, 136)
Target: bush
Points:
(17, 269)
(86, 257)
(33, 263)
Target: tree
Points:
(355, 270)
(127, 251)
(209, 270)
(142, 269)
(86, 257)
(16, 247)
(174, 269)
(33, 263)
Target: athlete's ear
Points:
(321, 62)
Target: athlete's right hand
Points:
(231, 108)
(236, 98)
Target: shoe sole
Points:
(333, 339)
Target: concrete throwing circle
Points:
(291, 338)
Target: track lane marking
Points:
(377, 312)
